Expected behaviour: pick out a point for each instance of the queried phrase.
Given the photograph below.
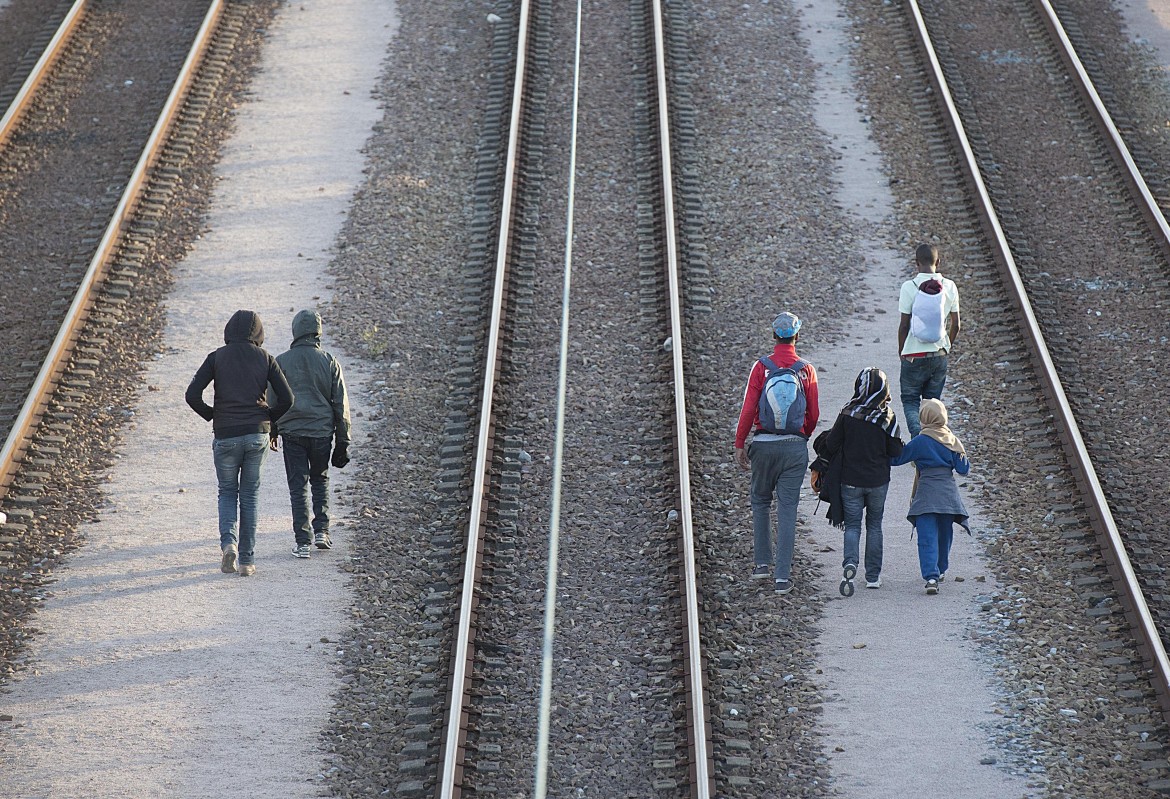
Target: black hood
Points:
(245, 328)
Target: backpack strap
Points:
(769, 367)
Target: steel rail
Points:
(1138, 612)
(453, 747)
(701, 759)
(40, 70)
(540, 782)
(1114, 140)
(64, 342)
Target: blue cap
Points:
(786, 325)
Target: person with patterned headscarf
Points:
(935, 506)
(864, 437)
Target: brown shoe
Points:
(247, 571)
(228, 564)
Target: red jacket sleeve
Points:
(749, 413)
(812, 413)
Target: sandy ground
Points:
(157, 675)
(1149, 23)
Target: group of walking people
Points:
(851, 472)
(297, 398)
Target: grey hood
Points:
(306, 328)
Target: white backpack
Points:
(927, 322)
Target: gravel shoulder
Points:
(156, 675)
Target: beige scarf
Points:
(933, 415)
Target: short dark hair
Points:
(926, 254)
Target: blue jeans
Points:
(935, 533)
(872, 501)
(922, 378)
(306, 465)
(237, 466)
(777, 470)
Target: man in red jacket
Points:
(781, 406)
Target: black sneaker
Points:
(932, 586)
(322, 541)
(301, 551)
(783, 586)
(762, 572)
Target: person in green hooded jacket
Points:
(317, 423)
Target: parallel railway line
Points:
(1065, 285)
(64, 233)
(475, 735)
(101, 154)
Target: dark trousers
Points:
(306, 464)
(922, 378)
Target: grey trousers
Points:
(778, 469)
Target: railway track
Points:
(492, 674)
(50, 174)
(1067, 246)
(102, 151)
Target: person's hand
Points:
(814, 481)
(272, 444)
(742, 459)
(340, 456)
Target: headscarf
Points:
(871, 401)
(933, 415)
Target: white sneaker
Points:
(874, 583)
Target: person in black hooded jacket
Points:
(866, 435)
(241, 420)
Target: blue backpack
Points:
(782, 402)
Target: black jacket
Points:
(829, 468)
(865, 450)
(241, 371)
